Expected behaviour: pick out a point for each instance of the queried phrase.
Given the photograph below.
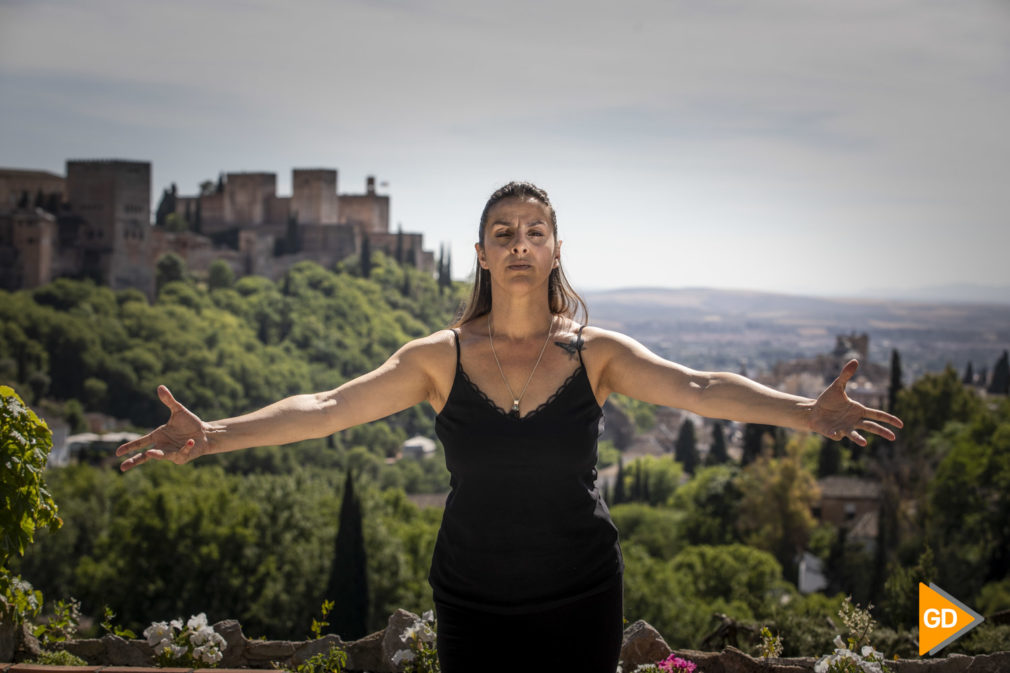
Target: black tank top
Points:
(524, 527)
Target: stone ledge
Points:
(373, 654)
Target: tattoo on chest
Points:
(572, 346)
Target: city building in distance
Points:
(95, 222)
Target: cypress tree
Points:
(686, 448)
(399, 243)
(829, 461)
(892, 390)
(366, 257)
(969, 375)
(348, 585)
(1000, 383)
(753, 442)
(718, 455)
(619, 494)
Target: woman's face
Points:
(519, 245)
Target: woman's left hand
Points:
(836, 416)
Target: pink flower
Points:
(674, 663)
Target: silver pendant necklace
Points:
(515, 398)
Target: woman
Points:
(527, 553)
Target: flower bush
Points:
(859, 624)
(420, 655)
(672, 664)
(194, 644)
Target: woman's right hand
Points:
(180, 440)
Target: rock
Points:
(642, 644)
(91, 650)
(737, 661)
(990, 663)
(365, 654)
(311, 648)
(262, 653)
(233, 655)
(708, 662)
(7, 640)
(392, 641)
(26, 645)
(120, 652)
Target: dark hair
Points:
(562, 297)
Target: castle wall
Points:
(368, 212)
(15, 182)
(114, 199)
(246, 196)
(314, 195)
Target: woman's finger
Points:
(847, 372)
(856, 437)
(883, 416)
(135, 444)
(165, 395)
(877, 429)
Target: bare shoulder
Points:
(433, 352)
(602, 344)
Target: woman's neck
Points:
(519, 318)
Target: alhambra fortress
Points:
(95, 222)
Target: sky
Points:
(826, 148)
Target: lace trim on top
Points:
(567, 382)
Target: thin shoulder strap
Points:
(455, 333)
(578, 344)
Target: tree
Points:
(170, 267)
(778, 494)
(166, 206)
(686, 448)
(348, 585)
(399, 244)
(754, 441)
(717, 454)
(1000, 382)
(895, 386)
(366, 257)
(829, 460)
(969, 375)
(619, 494)
(220, 275)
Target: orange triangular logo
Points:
(942, 619)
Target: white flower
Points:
(428, 616)
(177, 624)
(402, 655)
(197, 622)
(161, 646)
(219, 641)
(426, 635)
(213, 656)
(839, 643)
(409, 632)
(157, 632)
(204, 634)
(177, 650)
(198, 652)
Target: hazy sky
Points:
(803, 147)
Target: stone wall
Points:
(374, 653)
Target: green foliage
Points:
(686, 450)
(332, 660)
(27, 504)
(56, 658)
(642, 414)
(771, 645)
(710, 504)
(651, 479)
(317, 626)
(220, 275)
(777, 494)
(107, 616)
(62, 625)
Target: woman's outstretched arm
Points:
(405, 379)
(625, 366)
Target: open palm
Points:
(836, 416)
(180, 440)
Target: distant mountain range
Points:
(709, 328)
(956, 292)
